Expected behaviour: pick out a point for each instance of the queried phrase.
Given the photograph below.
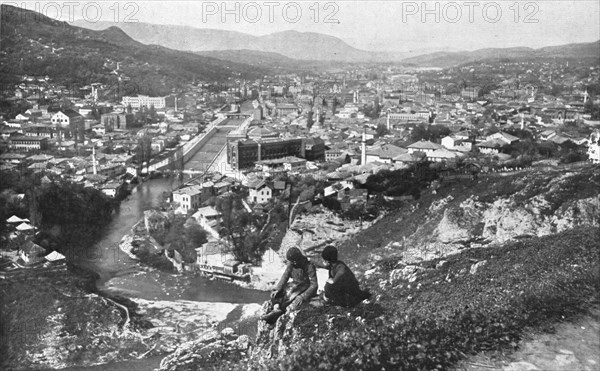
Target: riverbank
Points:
(62, 319)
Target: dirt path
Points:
(575, 346)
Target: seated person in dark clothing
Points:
(302, 287)
(342, 286)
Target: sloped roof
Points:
(15, 219)
(70, 113)
(425, 144)
(444, 153)
(54, 256)
(24, 227)
(190, 190)
(387, 151)
(261, 132)
(559, 139)
(494, 143)
(206, 211)
(405, 157)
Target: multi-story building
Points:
(42, 131)
(285, 109)
(470, 93)
(67, 118)
(409, 116)
(188, 198)
(146, 101)
(116, 120)
(28, 143)
(242, 154)
(259, 192)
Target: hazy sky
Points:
(372, 25)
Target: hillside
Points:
(33, 44)
(448, 59)
(466, 269)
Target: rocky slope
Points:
(408, 248)
(486, 212)
(51, 319)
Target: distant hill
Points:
(33, 44)
(448, 59)
(273, 61)
(291, 44)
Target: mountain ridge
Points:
(289, 43)
(316, 46)
(447, 59)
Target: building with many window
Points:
(243, 154)
(28, 143)
(146, 101)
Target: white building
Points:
(594, 147)
(259, 192)
(188, 198)
(66, 117)
(424, 146)
(146, 101)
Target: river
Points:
(111, 264)
(117, 269)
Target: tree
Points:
(310, 120)
(241, 228)
(334, 105)
(381, 130)
(430, 132)
(144, 150)
(184, 236)
(593, 110)
(152, 115)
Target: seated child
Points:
(342, 286)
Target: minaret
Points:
(522, 121)
(585, 96)
(388, 120)
(95, 170)
(363, 153)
